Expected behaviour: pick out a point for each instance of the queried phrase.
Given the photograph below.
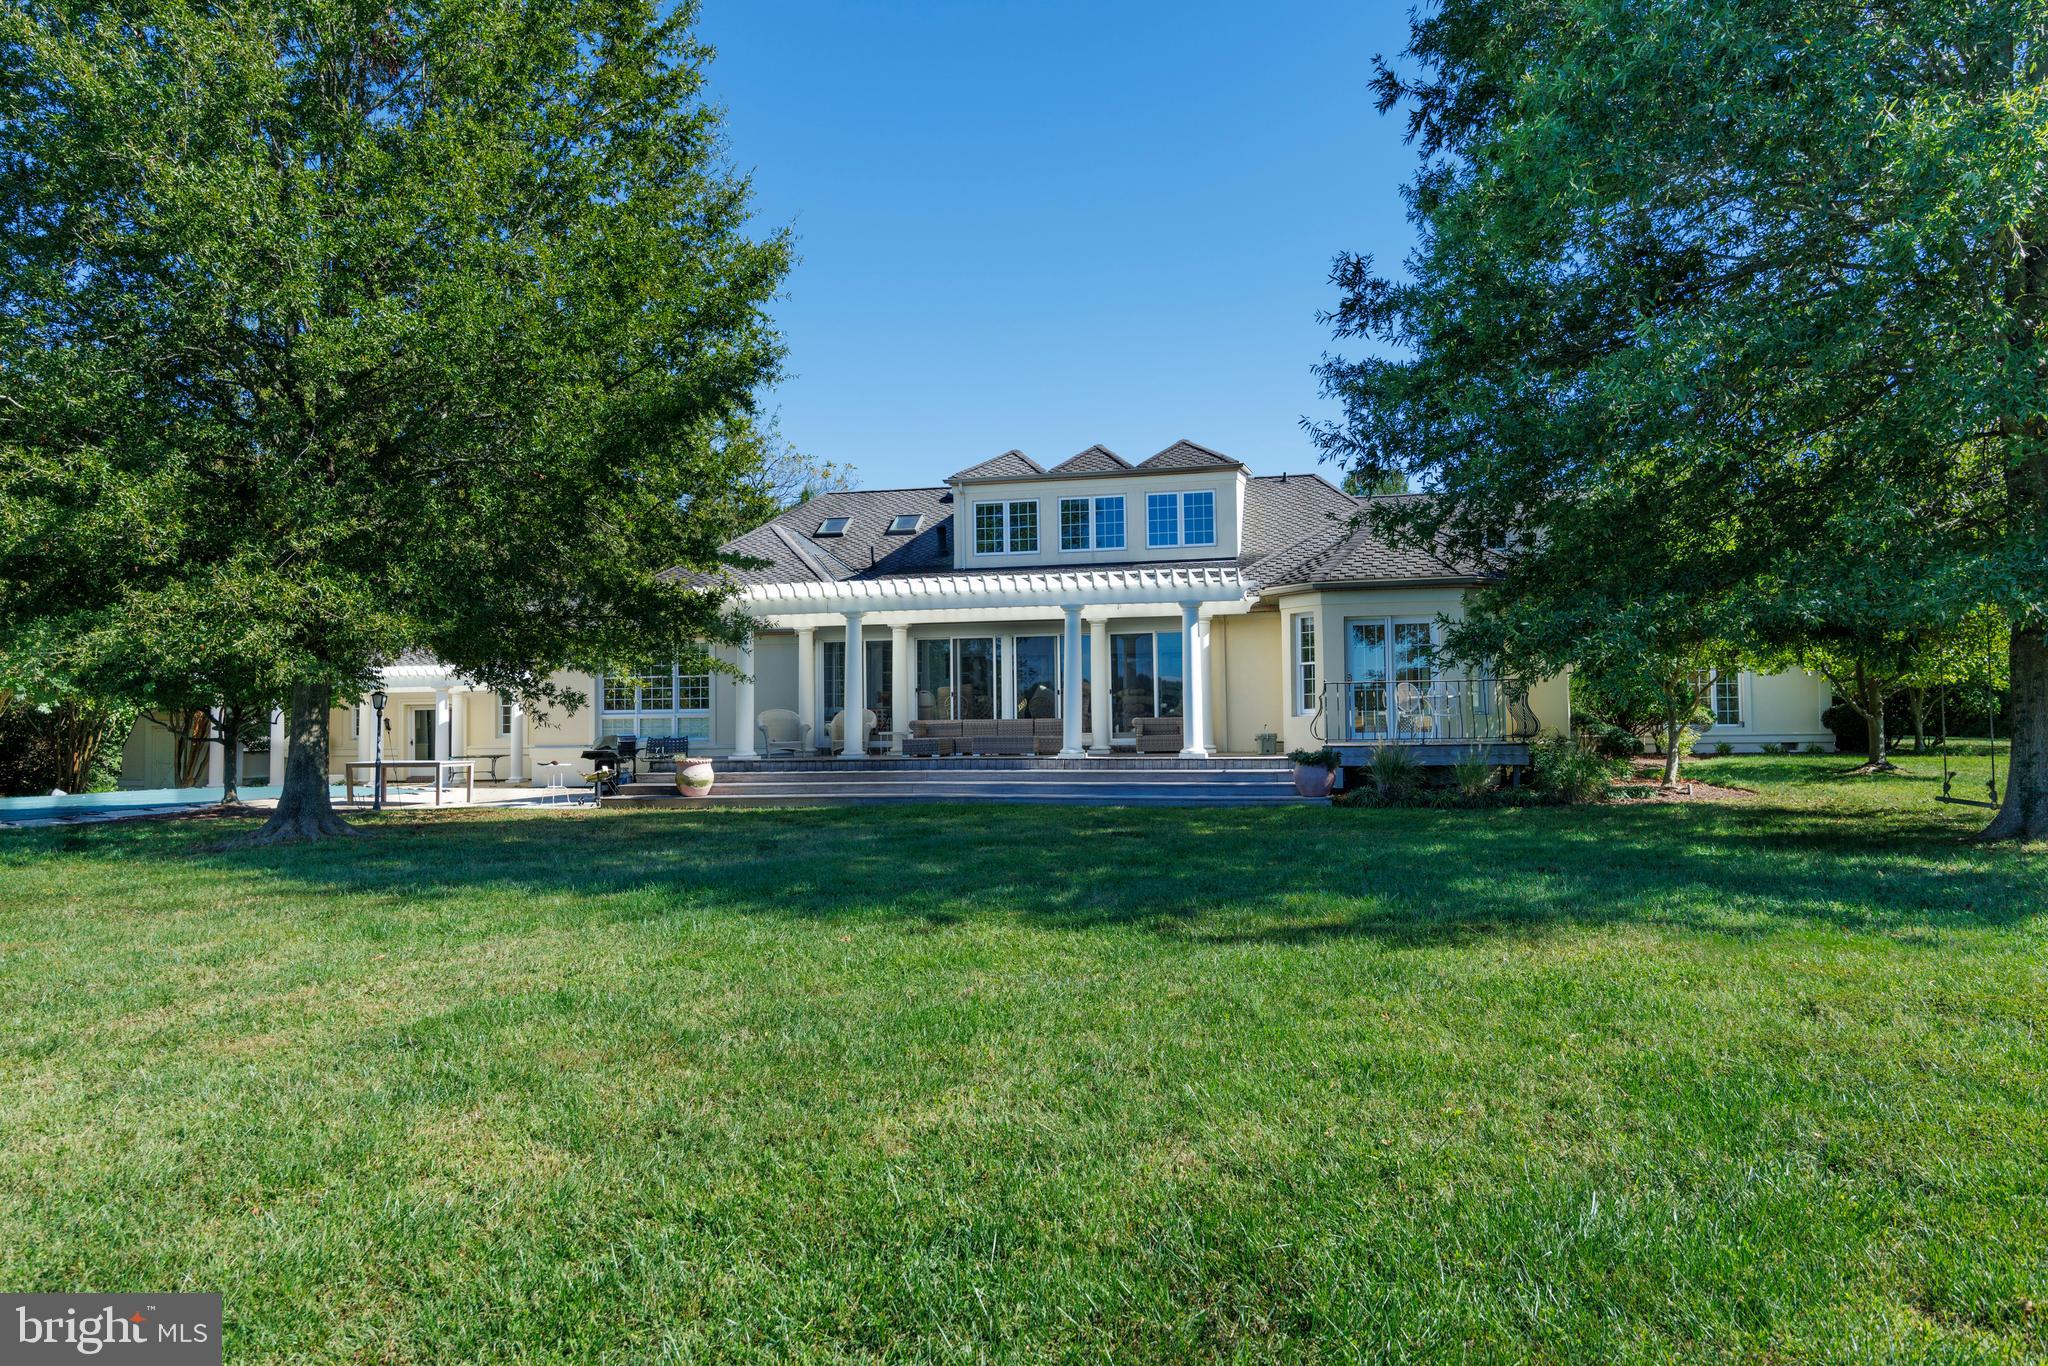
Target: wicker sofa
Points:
(1018, 735)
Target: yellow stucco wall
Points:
(1244, 684)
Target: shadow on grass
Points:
(1283, 877)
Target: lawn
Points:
(1759, 1079)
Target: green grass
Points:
(1763, 1079)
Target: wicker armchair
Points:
(1157, 734)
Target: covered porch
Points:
(1080, 659)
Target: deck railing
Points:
(1436, 711)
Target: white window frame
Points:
(1152, 541)
(1740, 678)
(1006, 526)
(675, 713)
(1123, 522)
(1306, 678)
(504, 714)
(1185, 499)
(1087, 525)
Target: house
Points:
(1097, 591)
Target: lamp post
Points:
(377, 701)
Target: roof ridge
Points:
(805, 551)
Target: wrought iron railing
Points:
(1439, 711)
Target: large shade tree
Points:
(1770, 262)
(333, 329)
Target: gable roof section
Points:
(1097, 459)
(1012, 464)
(1340, 552)
(1186, 455)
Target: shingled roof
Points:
(1298, 529)
(1186, 455)
(1008, 465)
(1096, 459)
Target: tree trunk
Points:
(1919, 699)
(2024, 816)
(1673, 729)
(303, 809)
(1869, 705)
(227, 733)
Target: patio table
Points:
(378, 774)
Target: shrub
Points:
(1316, 758)
(1610, 740)
(1472, 777)
(1571, 772)
(1724, 749)
(1777, 750)
(1393, 771)
(1819, 747)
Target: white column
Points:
(216, 752)
(1070, 684)
(442, 723)
(853, 726)
(458, 725)
(366, 730)
(1098, 682)
(518, 741)
(280, 743)
(902, 688)
(807, 687)
(1192, 701)
(743, 704)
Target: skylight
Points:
(832, 526)
(904, 522)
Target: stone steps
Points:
(1212, 784)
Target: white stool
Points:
(558, 783)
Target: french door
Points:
(1389, 676)
(1144, 677)
(876, 681)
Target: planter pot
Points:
(694, 776)
(1313, 780)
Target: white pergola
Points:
(451, 706)
(1098, 596)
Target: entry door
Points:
(1365, 679)
(423, 732)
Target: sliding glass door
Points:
(957, 678)
(1144, 677)
(1389, 679)
(1038, 676)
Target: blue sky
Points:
(1044, 225)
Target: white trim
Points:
(967, 592)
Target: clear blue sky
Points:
(1044, 225)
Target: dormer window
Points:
(904, 523)
(833, 526)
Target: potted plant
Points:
(1315, 771)
(694, 775)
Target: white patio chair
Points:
(781, 730)
(1413, 702)
(836, 732)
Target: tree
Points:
(1773, 262)
(1379, 485)
(338, 330)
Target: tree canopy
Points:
(1783, 266)
(332, 330)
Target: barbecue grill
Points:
(606, 760)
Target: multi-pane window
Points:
(1073, 524)
(1198, 518)
(504, 714)
(1109, 523)
(1023, 527)
(1162, 519)
(988, 528)
(655, 702)
(1727, 700)
(1305, 663)
(1000, 527)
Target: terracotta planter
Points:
(1313, 780)
(694, 776)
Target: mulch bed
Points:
(1649, 774)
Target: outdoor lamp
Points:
(377, 700)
